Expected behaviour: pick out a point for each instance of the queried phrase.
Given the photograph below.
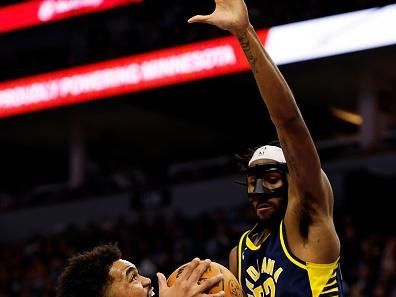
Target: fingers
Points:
(199, 270)
(210, 282)
(161, 279)
(199, 19)
(189, 268)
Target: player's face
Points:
(269, 179)
(267, 210)
(127, 282)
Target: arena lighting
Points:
(295, 42)
(125, 75)
(37, 12)
(328, 36)
(347, 116)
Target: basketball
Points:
(229, 284)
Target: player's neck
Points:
(260, 235)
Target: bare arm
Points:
(233, 264)
(308, 218)
(300, 152)
(233, 261)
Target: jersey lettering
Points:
(268, 287)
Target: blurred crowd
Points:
(156, 243)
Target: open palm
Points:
(230, 15)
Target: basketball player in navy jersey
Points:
(293, 250)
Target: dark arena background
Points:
(119, 122)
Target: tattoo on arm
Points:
(245, 44)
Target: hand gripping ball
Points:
(229, 284)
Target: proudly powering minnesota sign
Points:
(317, 38)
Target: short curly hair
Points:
(87, 274)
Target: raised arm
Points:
(308, 218)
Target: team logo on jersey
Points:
(263, 279)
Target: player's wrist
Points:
(242, 31)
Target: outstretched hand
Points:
(187, 284)
(230, 15)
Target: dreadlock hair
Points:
(87, 274)
(243, 159)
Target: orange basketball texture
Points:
(229, 284)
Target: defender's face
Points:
(266, 209)
(127, 282)
(270, 180)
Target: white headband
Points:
(268, 152)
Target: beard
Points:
(270, 219)
(269, 222)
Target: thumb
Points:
(199, 19)
(162, 284)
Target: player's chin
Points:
(265, 215)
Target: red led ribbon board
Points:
(36, 12)
(125, 75)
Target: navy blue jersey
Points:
(270, 269)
